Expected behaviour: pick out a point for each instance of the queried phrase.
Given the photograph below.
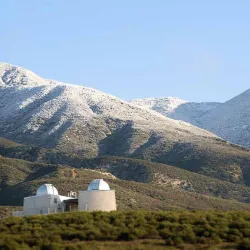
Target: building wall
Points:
(97, 200)
(43, 204)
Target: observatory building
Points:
(46, 201)
(99, 197)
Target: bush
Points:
(244, 244)
(175, 228)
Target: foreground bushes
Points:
(175, 228)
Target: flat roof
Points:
(75, 200)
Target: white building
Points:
(99, 196)
(46, 201)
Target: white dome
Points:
(98, 184)
(46, 189)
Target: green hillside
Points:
(168, 176)
(139, 183)
(13, 171)
(130, 194)
(224, 163)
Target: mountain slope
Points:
(163, 175)
(13, 171)
(224, 163)
(165, 106)
(230, 120)
(176, 108)
(78, 122)
(49, 114)
(130, 194)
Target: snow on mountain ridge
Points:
(176, 108)
(86, 122)
(82, 120)
(34, 101)
(230, 120)
(11, 75)
(24, 79)
(163, 105)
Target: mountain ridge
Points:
(228, 120)
(61, 103)
(176, 108)
(88, 123)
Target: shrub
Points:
(175, 228)
(244, 244)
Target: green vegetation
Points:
(213, 157)
(6, 211)
(168, 176)
(130, 194)
(177, 229)
(138, 184)
(14, 171)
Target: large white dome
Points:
(46, 189)
(98, 184)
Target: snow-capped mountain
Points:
(176, 108)
(230, 120)
(165, 106)
(88, 123)
(49, 112)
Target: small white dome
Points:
(46, 189)
(98, 184)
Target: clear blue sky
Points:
(196, 50)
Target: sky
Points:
(195, 50)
